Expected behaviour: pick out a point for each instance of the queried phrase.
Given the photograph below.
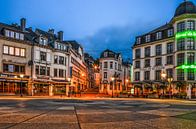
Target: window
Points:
(17, 51)
(111, 65)
(65, 61)
(11, 50)
(137, 53)
(61, 60)
(169, 60)
(158, 61)
(190, 44)
(105, 65)
(105, 54)
(169, 73)
(147, 38)
(137, 64)
(55, 59)
(5, 49)
(7, 33)
(48, 71)
(137, 76)
(61, 73)
(190, 58)
(180, 59)
(12, 34)
(180, 26)
(190, 25)
(158, 35)
(139, 40)
(180, 74)
(158, 75)
(147, 52)
(22, 52)
(190, 74)
(147, 75)
(43, 56)
(170, 48)
(105, 74)
(158, 50)
(37, 70)
(21, 36)
(115, 66)
(13, 68)
(180, 44)
(170, 32)
(147, 63)
(55, 72)
(42, 70)
(17, 36)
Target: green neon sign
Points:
(186, 34)
(187, 67)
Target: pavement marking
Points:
(66, 108)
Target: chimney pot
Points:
(23, 24)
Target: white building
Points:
(169, 49)
(112, 74)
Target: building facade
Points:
(15, 57)
(114, 75)
(39, 62)
(164, 59)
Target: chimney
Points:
(60, 35)
(51, 31)
(23, 24)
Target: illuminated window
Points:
(17, 51)
(22, 52)
(11, 50)
(5, 49)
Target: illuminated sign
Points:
(186, 34)
(187, 67)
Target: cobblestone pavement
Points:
(97, 114)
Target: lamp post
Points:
(21, 76)
(127, 81)
(69, 83)
(163, 75)
(170, 81)
(112, 79)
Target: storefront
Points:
(13, 86)
(59, 87)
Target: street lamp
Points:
(112, 79)
(69, 83)
(21, 76)
(127, 81)
(170, 81)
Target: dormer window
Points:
(170, 32)
(139, 40)
(158, 35)
(43, 41)
(105, 54)
(147, 38)
(15, 35)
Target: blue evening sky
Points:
(96, 24)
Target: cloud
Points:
(117, 38)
